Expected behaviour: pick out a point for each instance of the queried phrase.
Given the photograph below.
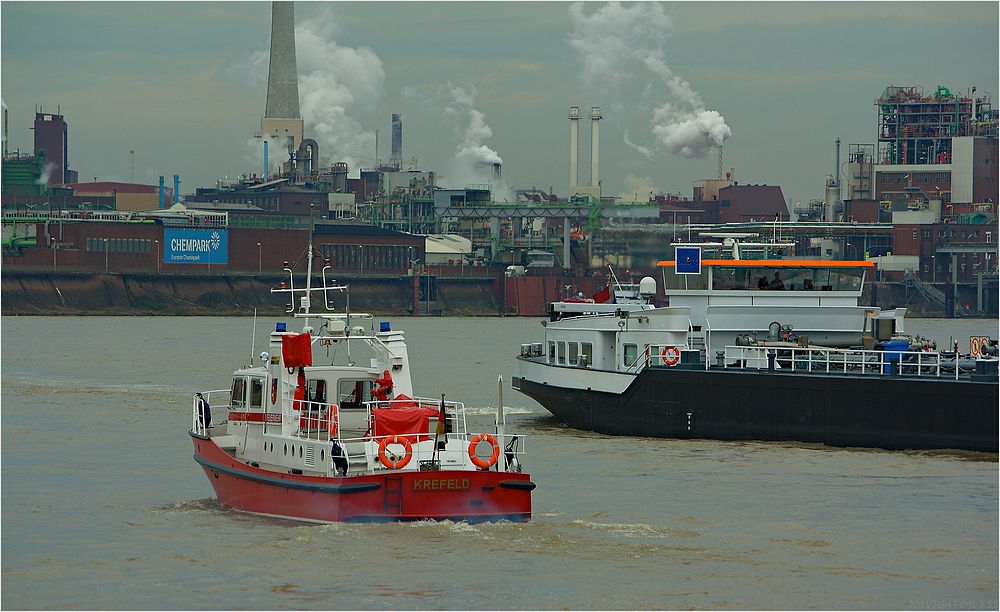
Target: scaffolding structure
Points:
(917, 128)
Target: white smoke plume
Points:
(612, 42)
(473, 161)
(46, 174)
(338, 88)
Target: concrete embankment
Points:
(53, 293)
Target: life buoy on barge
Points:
(670, 355)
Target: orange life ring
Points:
(399, 463)
(670, 355)
(483, 463)
(333, 420)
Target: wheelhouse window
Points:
(562, 353)
(256, 392)
(587, 353)
(552, 352)
(238, 393)
(574, 353)
(354, 392)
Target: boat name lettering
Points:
(256, 417)
(440, 484)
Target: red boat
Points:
(347, 442)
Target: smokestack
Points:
(836, 174)
(161, 193)
(397, 140)
(177, 188)
(595, 117)
(574, 144)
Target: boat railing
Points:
(361, 453)
(833, 360)
(200, 425)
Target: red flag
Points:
(603, 295)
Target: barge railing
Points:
(830, 360)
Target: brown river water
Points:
(104, 508)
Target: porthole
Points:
(286, 449)
(300, 451)
(321, 455)
(293, 450)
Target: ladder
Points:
(393, 495)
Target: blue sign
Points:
(187, 246)
(687, 260)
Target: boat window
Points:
(562, 353)
(256, 392)
(631, 354)
(354, 392)
(316, 394)
(671, 280)
(552, 352)
(725, 278)
(587, 353)
(238, 393)
(574, 350)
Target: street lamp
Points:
(260, 265)
(157, 256)
(934, 269)
(105, 255)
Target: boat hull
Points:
(404, 495)
(836, 410)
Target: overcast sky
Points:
(183, 84)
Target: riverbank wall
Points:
(81, 293)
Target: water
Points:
(103, 506)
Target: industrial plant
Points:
(919, 200)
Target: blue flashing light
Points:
(383, 326)
(280, 327)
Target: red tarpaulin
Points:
(399, 421)
(296, 350)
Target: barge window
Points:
(238, 393)
(552, 352)
(587, 352)
(672, 280)
(574, 350)
(562, 353)
(631, 354)
(256, 392)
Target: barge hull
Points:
(893, 413)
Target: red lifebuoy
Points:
(333, 420)
(483, 463)
(399, 463)
(670, 355)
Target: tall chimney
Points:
(595, 117)
(574, 144)
(397, 140)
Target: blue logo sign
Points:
(687, 260)
(186, 246)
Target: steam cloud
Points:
(473, 161)
(612, 41)
(338, 88)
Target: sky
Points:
(183, 85)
